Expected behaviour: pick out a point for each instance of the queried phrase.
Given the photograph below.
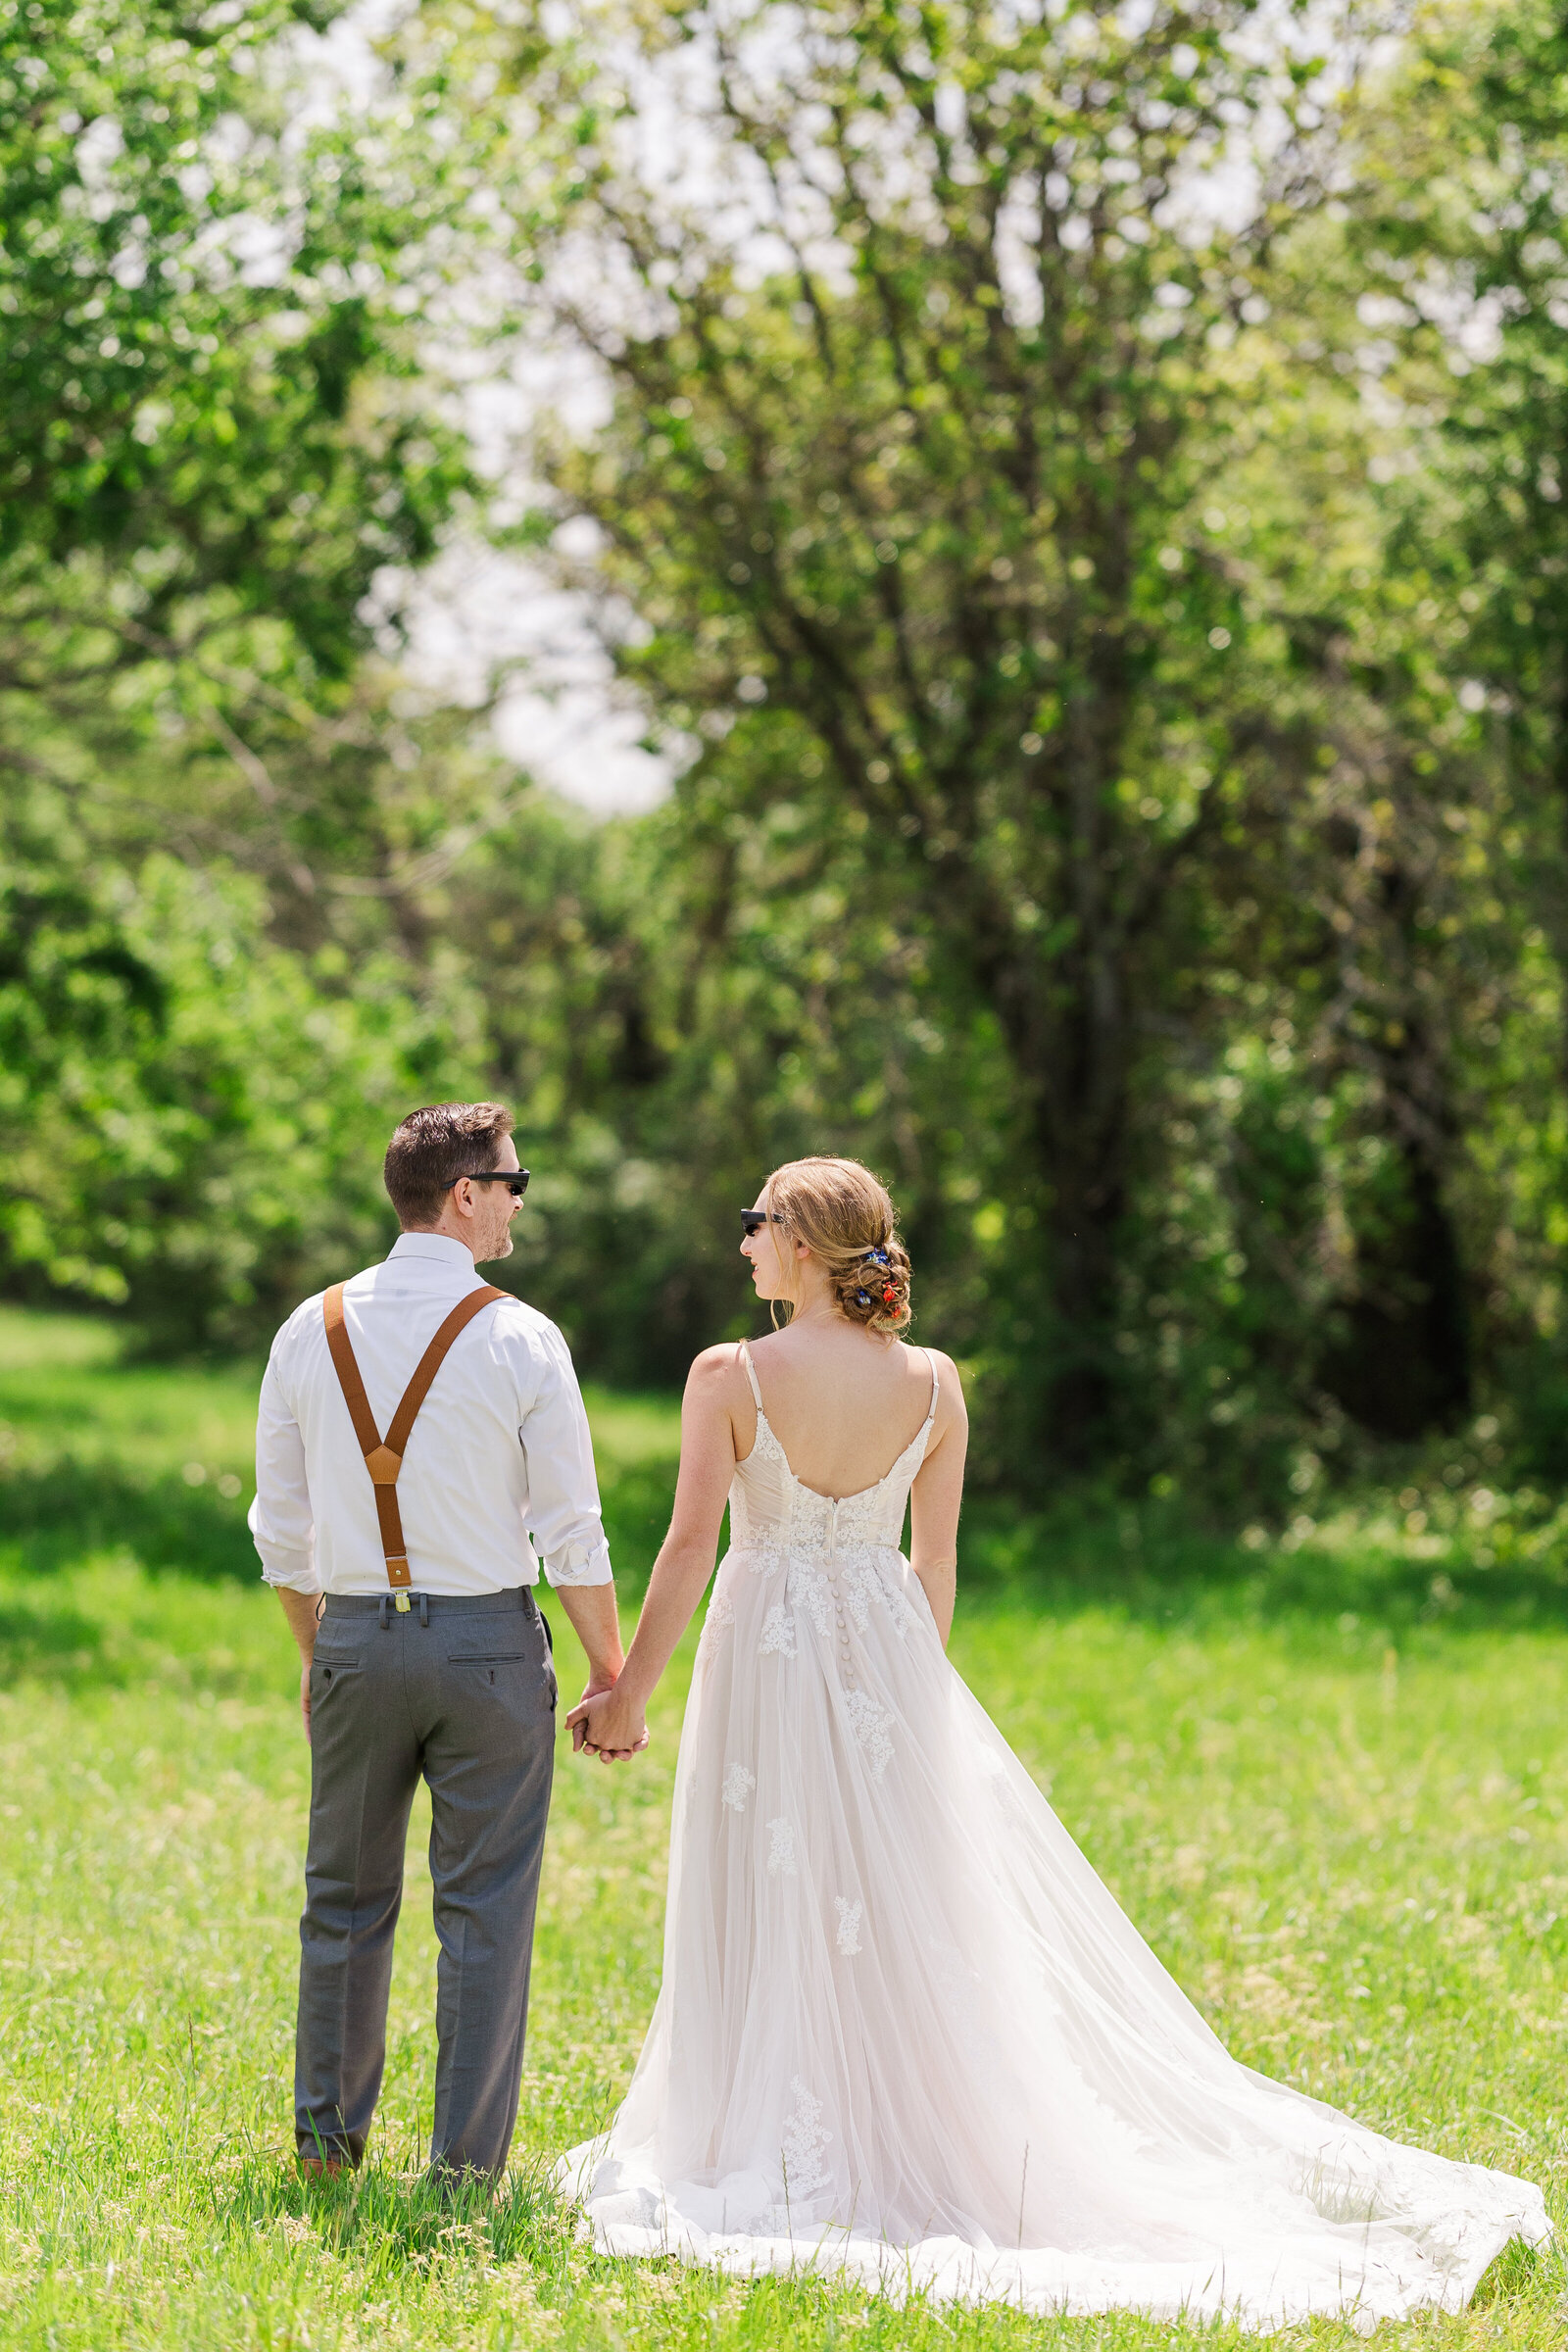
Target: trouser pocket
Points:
(494, 1666)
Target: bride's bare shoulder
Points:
(717, 1371)
(950, 1406)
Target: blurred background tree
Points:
(1079, 513)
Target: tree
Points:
(217, 441)
(218, 436)
(1456, 199)
(926, 365)
(202, 334)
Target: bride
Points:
(905, 2033)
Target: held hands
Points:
(607, 1725)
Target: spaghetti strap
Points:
(936, 1389)
(751, 1374)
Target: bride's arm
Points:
(934, 1502)
(613, 1722)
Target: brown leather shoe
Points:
(323, 2168)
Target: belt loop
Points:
(381, 1613)
(424, 1608)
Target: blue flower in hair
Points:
(879, 1258)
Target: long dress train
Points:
(905, 2033)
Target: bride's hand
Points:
(609, 1725)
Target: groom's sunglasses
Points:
(753, 1219)
(516, 1180)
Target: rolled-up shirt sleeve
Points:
(280, 1518)
(564, 1516)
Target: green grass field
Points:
(1346, 1829)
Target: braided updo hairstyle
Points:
(846, 1219)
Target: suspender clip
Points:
(400, 1601)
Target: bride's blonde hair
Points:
(845, 1218)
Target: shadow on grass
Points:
(397, 2222)
(121, 1634)
(55, 1517)
(1148, 1560)
(61, 1646)
(1152, 1563)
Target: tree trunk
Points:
(1067, 1031)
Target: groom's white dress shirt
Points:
(499, 1451)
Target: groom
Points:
(415, 1429)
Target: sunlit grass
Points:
(1348, 1838)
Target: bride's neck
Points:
(816, 1303)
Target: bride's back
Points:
(844, 1402)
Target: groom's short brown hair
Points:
(433, 1147)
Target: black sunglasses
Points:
(753, 1219)
(516, 1180)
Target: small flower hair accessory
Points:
(879, 1258)
(888, 1297)
(862, 1298)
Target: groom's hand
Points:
(596, 1623)
(597, 1682)
(611, 1726)
(302, 1610)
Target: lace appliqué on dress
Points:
(850, 1916)
(806, 2136)
(781, 1862)
(859, 1585)
(779, 1633)
(809, 1590)
(738, 1786)
(870, 1724)
(721, 1616)
(900, 1608)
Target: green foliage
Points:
(1076, 814)
(917, 536)
(1110, 652)
(213, 447)
(193, 1130)
(200, 341)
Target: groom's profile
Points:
(421, 1445)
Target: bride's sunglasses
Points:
(753, 1219)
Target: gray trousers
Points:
(460, 1691)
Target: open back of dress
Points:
(905, 2031)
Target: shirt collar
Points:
(437, 1246)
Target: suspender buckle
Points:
(400, 1601)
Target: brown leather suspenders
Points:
(383, 1458)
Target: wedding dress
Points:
(907, 2035)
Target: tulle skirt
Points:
(906, 2034)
